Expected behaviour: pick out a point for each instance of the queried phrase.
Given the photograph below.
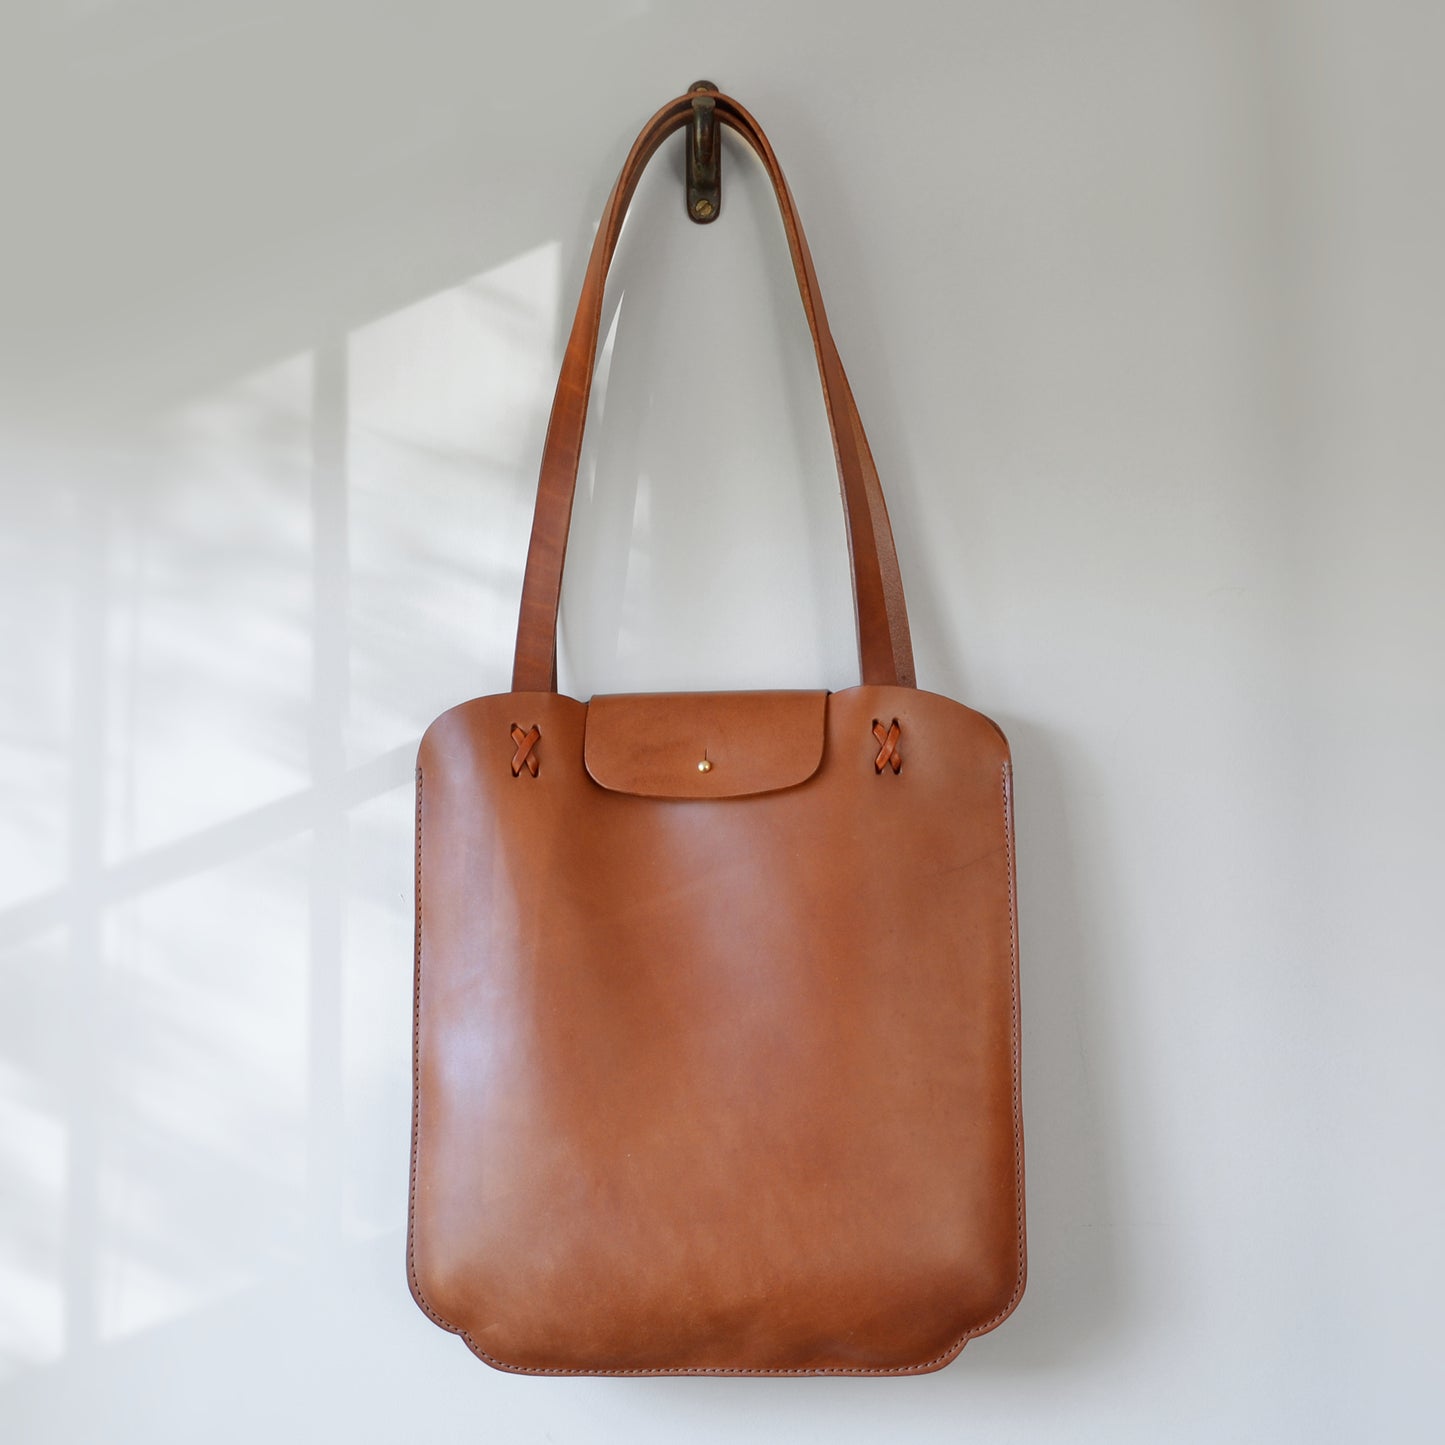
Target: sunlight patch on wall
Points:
(32, 1155)
(208, 612)
(202, 1104)
(449, 402)
(36, 558)
(376, 1042)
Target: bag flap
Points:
(704, 744)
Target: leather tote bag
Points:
(717, 1013)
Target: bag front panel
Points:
(722, 1084)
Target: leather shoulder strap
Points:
(884, 647)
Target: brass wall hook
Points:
(704, 156)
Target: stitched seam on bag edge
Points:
(940, 1359)
(416, 1289)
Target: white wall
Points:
(1143, 306)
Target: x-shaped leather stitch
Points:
(888, 754)
(524, 757)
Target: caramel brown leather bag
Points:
(717, 1017)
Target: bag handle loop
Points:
(884, 647)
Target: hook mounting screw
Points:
(704, 155)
